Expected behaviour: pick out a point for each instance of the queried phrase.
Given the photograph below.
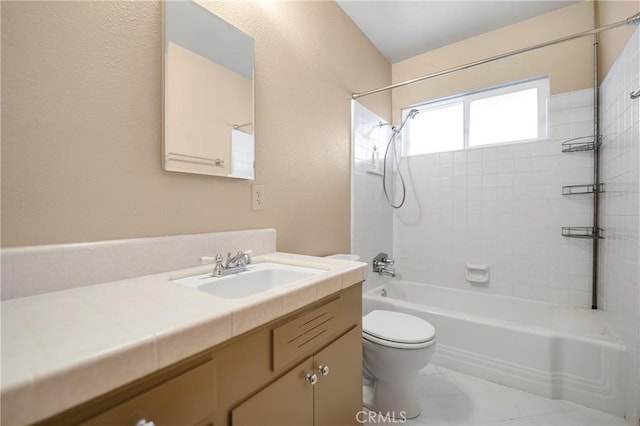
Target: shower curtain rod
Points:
(632, 20)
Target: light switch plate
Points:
(257, 197)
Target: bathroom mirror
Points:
(208, 108)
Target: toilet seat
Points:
(397, 330)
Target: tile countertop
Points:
(61, 349)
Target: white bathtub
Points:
(551, 350)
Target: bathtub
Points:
(551, 350)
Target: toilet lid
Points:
(397, 327)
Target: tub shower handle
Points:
(381, 264)
(311, 378)
(323, 369)
(384, 262)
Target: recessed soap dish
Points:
(477, 274)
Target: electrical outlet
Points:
(257, 197)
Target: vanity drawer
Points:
(188, 399)
(306, 332)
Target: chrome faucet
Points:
(382, 265)
(232, 265)
(242, 259)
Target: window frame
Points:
(541, 83)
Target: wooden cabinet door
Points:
(188, 399)
(286, 402)
(338, 395)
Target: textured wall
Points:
(612, 42)
(570, 64)
(81, 125)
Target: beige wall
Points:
(612, 42)
(569, 64)
(81, 125)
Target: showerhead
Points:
(412, 114)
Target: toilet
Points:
(396, 346)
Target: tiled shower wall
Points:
(371, 217)
(503, 207)
(620, 166)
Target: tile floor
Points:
(452, 398)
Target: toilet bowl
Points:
(396, 346)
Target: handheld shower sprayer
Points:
(411, 115)
(392, 142)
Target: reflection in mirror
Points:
(208, 94)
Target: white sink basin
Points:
(258, 278)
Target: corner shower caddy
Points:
(581, 144)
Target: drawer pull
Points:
(144, 422)
(311, 378)
(323, 369)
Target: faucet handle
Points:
(247, 256)
(210, 259)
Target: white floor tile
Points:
(522, 421)
(437, 385)
(471, 384)
(431, 369)
(581, 417)
(452, 398)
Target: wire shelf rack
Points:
(583, 143)
(587, 232)
(582, 189)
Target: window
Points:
(512, 113)
(439, 127)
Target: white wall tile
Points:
(619, 291)
(514, 200)
(372, 224)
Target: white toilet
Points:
(396, 346)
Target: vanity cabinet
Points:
(302, 369)
(320, 391)
(267, 384)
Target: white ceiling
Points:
(401, 29)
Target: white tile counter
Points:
(63, 348)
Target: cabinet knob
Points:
(323, 369)
(311, 378)
(144, 422)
